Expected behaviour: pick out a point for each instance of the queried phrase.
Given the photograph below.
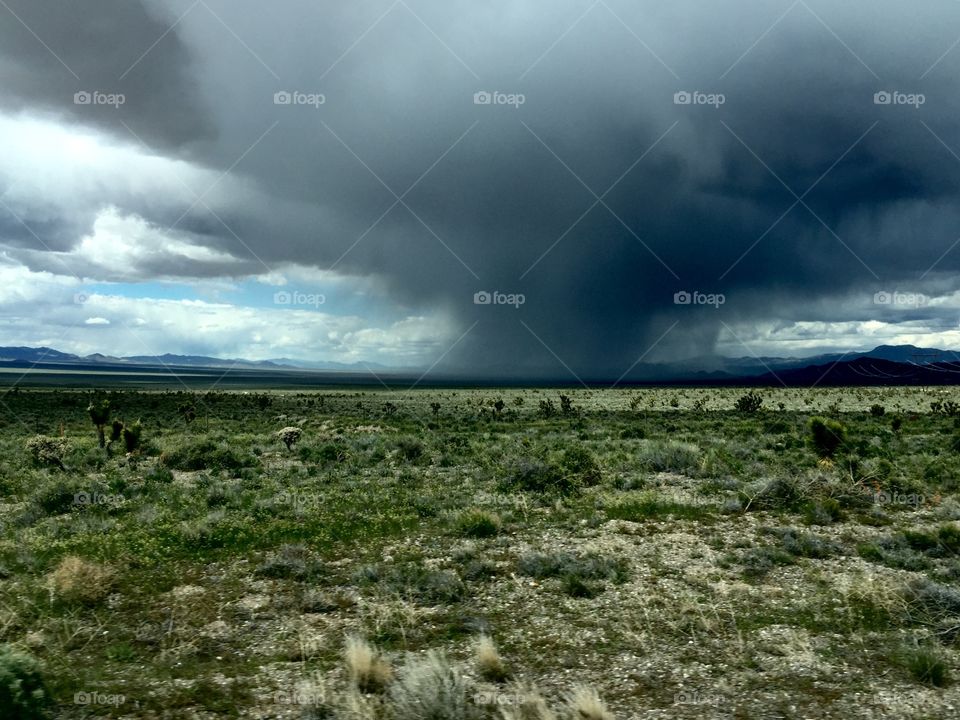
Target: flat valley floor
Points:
(518, 553)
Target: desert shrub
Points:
(430, 688)
(584, 703)
(800, 544)
(478, 523)
(290, 436)
(566, 405)
(877, 410)
(323, 454)
(894, 552)
(827, 435)
(751, 402)
(825, 511)
(47, 451)
(531, 475)
(932, 602)
(927, 666)
(76, 580)
(651, 505)
(634, 432)
(414, 582)
(292, 562)
(159, 474)
(580, 462)
(757, 562)
(547, 408)
(782, 493)
(580, 575)
(669, 456)
(57, 497)
(942, 542)
(490, 665)
(369, 671)
(207, 454)
(23, 693)
(411, 449)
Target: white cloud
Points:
(39, 308)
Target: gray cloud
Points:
(510, 183)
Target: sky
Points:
(566, 189)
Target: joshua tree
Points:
(188, 412)
(116, 429)
(131, 436)
(100, 416)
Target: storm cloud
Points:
(607, 160)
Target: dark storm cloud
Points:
(50, 51)
(797, 192)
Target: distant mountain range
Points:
(44, 355)
(884, 365)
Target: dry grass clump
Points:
(430, 688)
(531, 706)
(80, 581)
(585, 704)
(369, 671)
(489, 663)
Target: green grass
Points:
(420, 530)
